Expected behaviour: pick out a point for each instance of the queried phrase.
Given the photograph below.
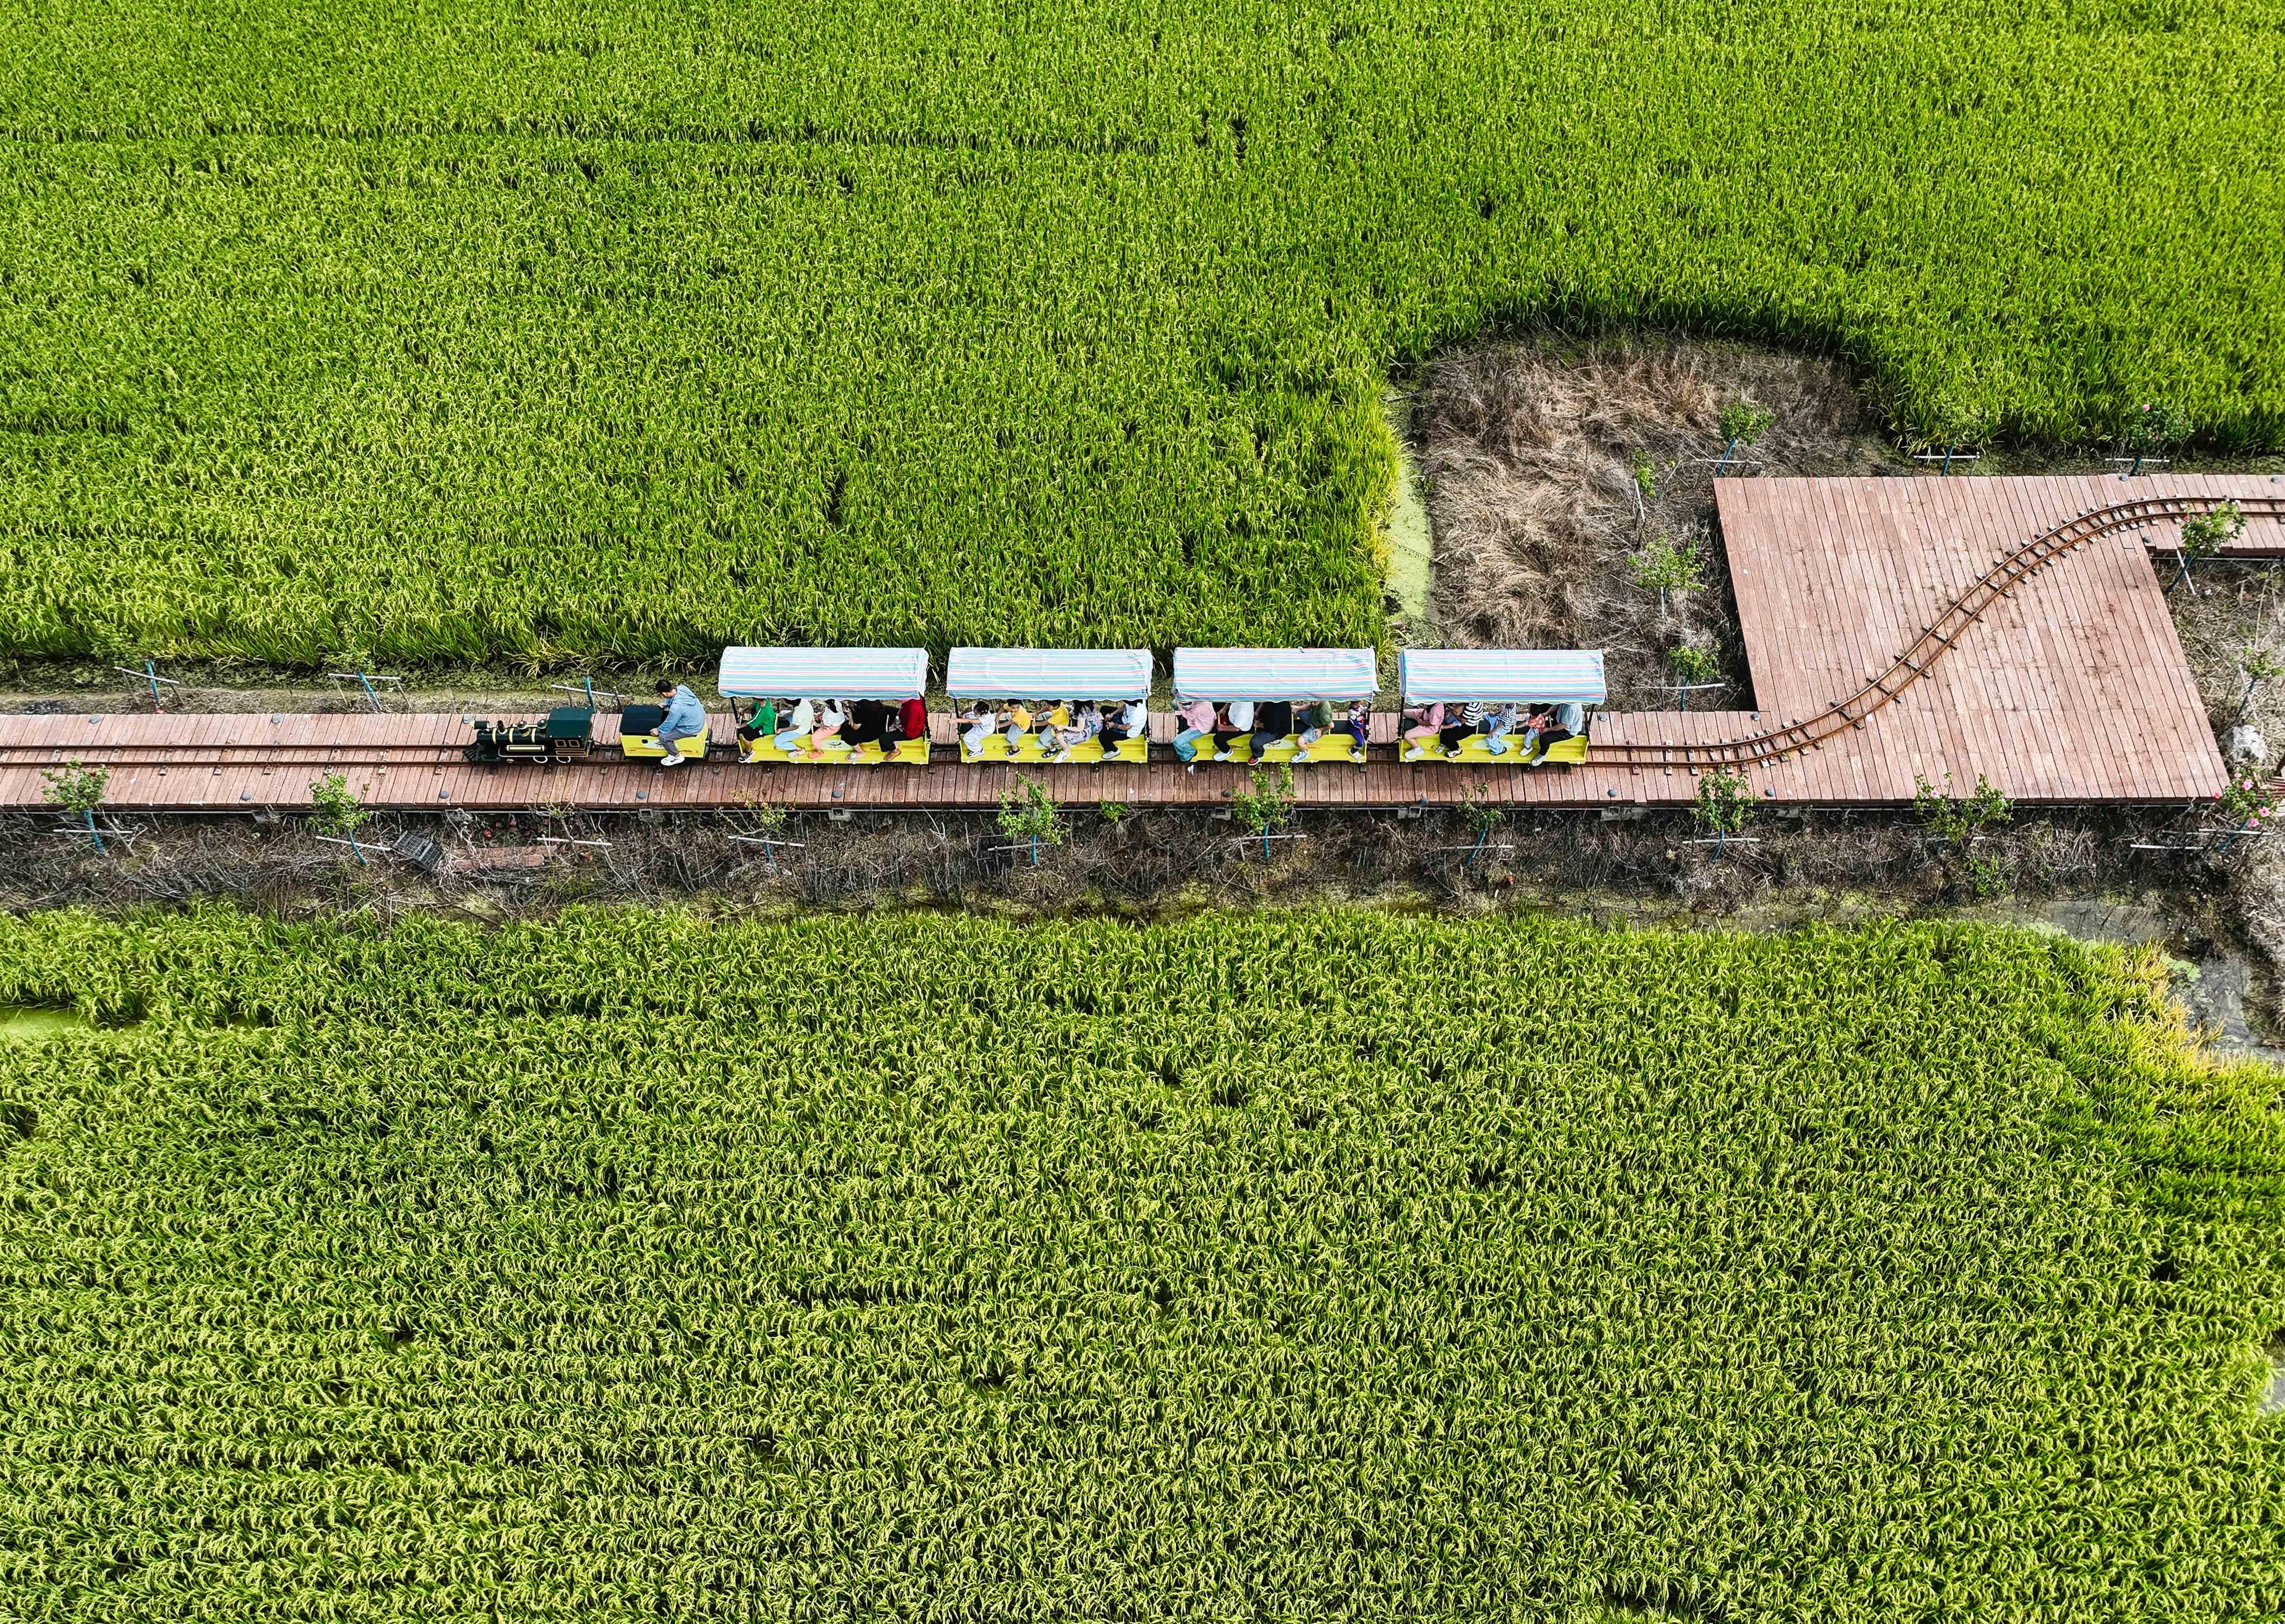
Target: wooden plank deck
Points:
(2072, 690)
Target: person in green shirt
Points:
(1311, 722)
(762, 722)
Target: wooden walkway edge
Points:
(1895, 629)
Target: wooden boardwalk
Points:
(243, 764)
(2070, 690)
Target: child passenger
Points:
(978, 723)
(1085, 723)
(1360, 725)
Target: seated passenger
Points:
(1566, 722)
(1132, 722)
(1198, 721)
(1360, 726)
(1422, 723)
(1497, 726)
(1471, 720)
(978, 723)
(1019, 721)
(685, 719)
(911, 718)
(798, 727)
(1272, 721)
(1085, 723)
(1235, 720)
(830, 720)
(1312, 720)
(868, 724)
(761, 721)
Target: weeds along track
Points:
(345, 754)
(1934, 643)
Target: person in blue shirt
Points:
(685, 719)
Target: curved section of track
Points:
(1779, 744)
(1932, 644)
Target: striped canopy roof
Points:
(823, 673)
(1519, 676)
(1048, 673)
(1219, 674)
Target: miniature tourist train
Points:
(1308, 707)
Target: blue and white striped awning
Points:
(823, 673)
(1048, 673)
(1502, 676)
(1219, 674)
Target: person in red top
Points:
(911, 718)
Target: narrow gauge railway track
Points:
(282, 754)
(1776, 745)
(1932, 644)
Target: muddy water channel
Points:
(2214, 982)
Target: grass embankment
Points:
(341, 334)
(1318, 1266)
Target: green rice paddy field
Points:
(1315, 1266)
(496, 330)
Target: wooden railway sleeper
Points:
(2011, 570)
(1919, 660)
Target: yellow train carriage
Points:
(1274, 678)
(1513, 684)
(821, 679)
(639, 736)
(1009, 704)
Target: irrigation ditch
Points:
(2142, 876)
(1546, 466)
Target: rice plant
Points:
(504, 335)
(1327, 1265)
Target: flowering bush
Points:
(2249, 801)
(2154, 425)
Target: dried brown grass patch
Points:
(1527, 451)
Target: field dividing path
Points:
(1895, 629)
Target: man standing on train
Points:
(685, 719)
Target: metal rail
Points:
(1778, 744)
(314, 754)
(1783, 743)
(267, 754)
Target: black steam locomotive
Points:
(567, 734)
